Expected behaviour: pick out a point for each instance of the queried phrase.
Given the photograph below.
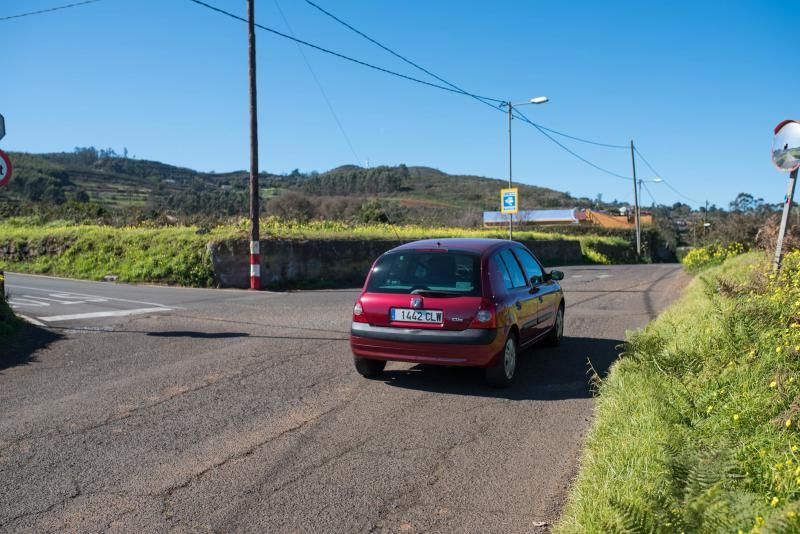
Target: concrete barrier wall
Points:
(334, 263)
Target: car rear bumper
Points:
(470, 347)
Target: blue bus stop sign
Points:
(508, 200)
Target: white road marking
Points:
(95, 315)
(30, 320)
(576, 276)
(17, 302)
(12, 287)
(604, 276)
(61, 300)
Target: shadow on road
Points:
(543, 373)
(21, 349)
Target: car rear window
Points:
(426, 271)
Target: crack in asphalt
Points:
(76, 492)
(275, 361)
(392, 508)
(169, 492)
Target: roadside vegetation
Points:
(697, 426)
(179, 254)
(698, 259)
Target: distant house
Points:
(558, 217)
(623, 218)
(533, 217)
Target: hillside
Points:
(104, 182)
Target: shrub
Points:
(701, 258)
(292, 206)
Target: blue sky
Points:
(698, 85)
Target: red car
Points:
(472, 302)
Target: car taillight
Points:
(358, 313)
(485, 318)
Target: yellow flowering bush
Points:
(701, 258)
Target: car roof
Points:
(469, 244)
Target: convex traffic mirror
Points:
(786, 146)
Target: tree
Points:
(291, 206)
(746, 203)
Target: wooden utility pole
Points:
(255, 249)
(636, 205)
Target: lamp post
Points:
(510, 106)
(653, 181)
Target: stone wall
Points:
(334, 262)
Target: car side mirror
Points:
(555, 275)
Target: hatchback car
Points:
(468, 302)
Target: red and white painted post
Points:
(255, 192)
(255, 265)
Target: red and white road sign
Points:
(5, 169)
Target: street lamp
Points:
(653, 181)
(511, 106)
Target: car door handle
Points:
(519, 305)
(541, 300)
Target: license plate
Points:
(405, 315)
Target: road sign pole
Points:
(636, 205)
(787, 208)
(255, 252)
(510, 215)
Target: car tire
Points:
(556, 334)
(501, 374)
(369, 368)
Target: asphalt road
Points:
(147, 409)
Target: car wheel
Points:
(556, 333)
(369, 368)
(501, 374)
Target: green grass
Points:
(178, 254)
(696, 426)
(171, 255)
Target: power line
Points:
(48, 10)
(399, 56)
(325, 50)
(658, 174)
(649, 193)
(319, 86)
(587, 141)
(482, 99)
(635, 148)
(452, 88)
(690, 199)
(541, 130)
